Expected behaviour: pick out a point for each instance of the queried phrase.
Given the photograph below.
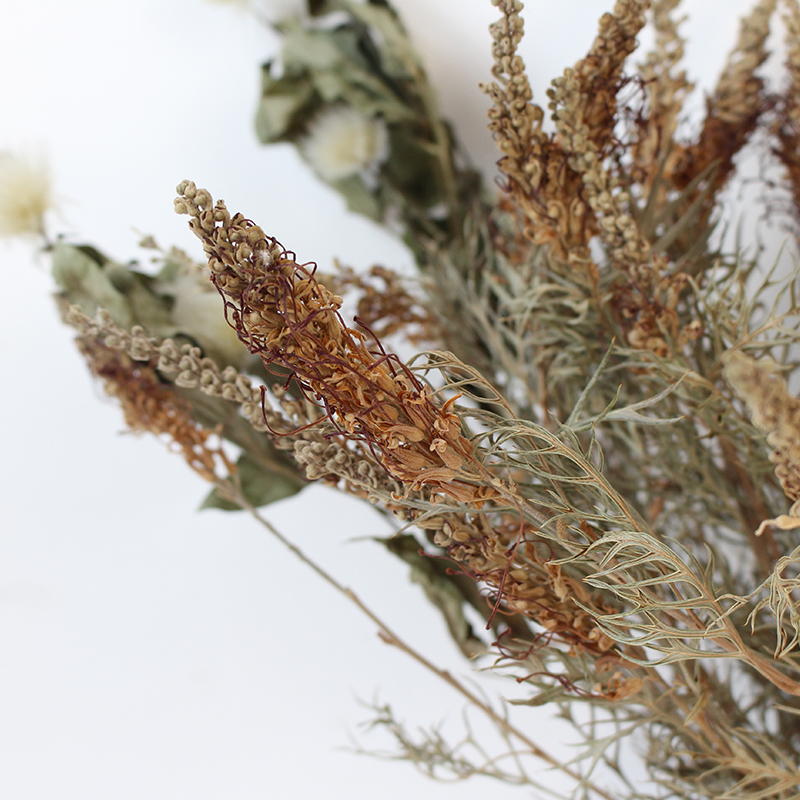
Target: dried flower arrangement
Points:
(598, 451)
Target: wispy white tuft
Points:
(342, 142)
(25, 194)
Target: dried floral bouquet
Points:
(597, 449)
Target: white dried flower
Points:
(25, 194)
(342, 142)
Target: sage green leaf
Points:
(440, 590)
(83, 279)
(410, 168)
(342, 66)
(169, 271)
(149, 309)
(90, 280)
(259, 486)
(398, 57)
(630, 413)
(360, 199)
(304, 50)
(286, 104)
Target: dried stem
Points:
(390, 637)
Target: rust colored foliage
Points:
(786, 127)
(524, 582)
(543, 175)
(151, 405)
(284, 315)
(544, 187)
(386, 308)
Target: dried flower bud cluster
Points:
(584, 100)
(560, 183)
(151, 405)
(362, 476)
(732, 111)
(584, 105)
(184, 363)
(514, 118)
(388, 308)
(544, 187)
(570, 187)
(787, 126)
(285, 316)
(774, 411)
(529, 585)
(647, 309)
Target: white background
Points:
(147, 650)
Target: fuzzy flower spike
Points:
(776, 413)
(285, 316)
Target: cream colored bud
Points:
(342, 142)
(25, 194)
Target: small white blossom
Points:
(25, 194)
(342, 142)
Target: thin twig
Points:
(390, 637)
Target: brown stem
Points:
(388, 636)
(752, 509)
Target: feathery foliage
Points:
(598, 450)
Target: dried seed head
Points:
(284, 315)
(526, 584)
(151, 405)
(732, 111)
(787, 125)
(774, 411)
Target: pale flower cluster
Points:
(776, 412)
(342, 142)
(25, 194)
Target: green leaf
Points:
(398, 57)
(81, 275)
(410, 167)
(440, 590)
(340, 66)
(285, 105)
(90, 280)
(359, 198)
(323, 50)
(260, 487)
(149, 309)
